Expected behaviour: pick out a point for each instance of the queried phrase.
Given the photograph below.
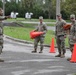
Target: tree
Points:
(68, 8)
(48, 7)
(0, 3)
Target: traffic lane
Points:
(26, 64)
(20, 61)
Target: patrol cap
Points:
(41, 17)
(59, 15)
(72, 16)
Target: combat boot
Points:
(59, 55)
(62, 56)
(34, 51)
(68, 59)
(41, 49)
(1, 60)
(40, 52)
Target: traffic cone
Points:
(52, 49)
(73, 58)
(34, 34)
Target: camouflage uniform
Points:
(1, 37)
(42, 28)
(60, 37)
(72, 34)
(1, 32)
(72, 37)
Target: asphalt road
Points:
(7, 23)
(20, 61)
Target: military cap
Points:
(59, 15)
(41, 17)
(72, 16)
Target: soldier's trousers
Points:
(71, 47)
(37, 40)
(71, 44)
(1, 43)
(60, 40)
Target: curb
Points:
(18, 40)
(24, 41)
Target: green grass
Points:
(32, 20)
(18, 32)
(23, 33)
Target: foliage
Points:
(47, 10)
(68, 8)
(23, 33)
(11, 7)
(0, 3)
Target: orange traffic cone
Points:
(52, 49)
(73, 59)
(34, 34)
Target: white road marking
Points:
(12, 68)
(56, 67)
(70, 74)
(49, 71)
(33, 60)
(20, 72)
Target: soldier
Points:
(43, 28)
(72, 36)
(1, 31)
(60, 36)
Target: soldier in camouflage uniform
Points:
(72, 35)
(1, 31)
(60, 36)
(42, 28)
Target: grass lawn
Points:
(34, 20)
(23, 33)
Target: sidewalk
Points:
(37, 22)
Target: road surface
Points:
(20, 61)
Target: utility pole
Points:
(57, 7)
(3, 7)
(17, 1)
